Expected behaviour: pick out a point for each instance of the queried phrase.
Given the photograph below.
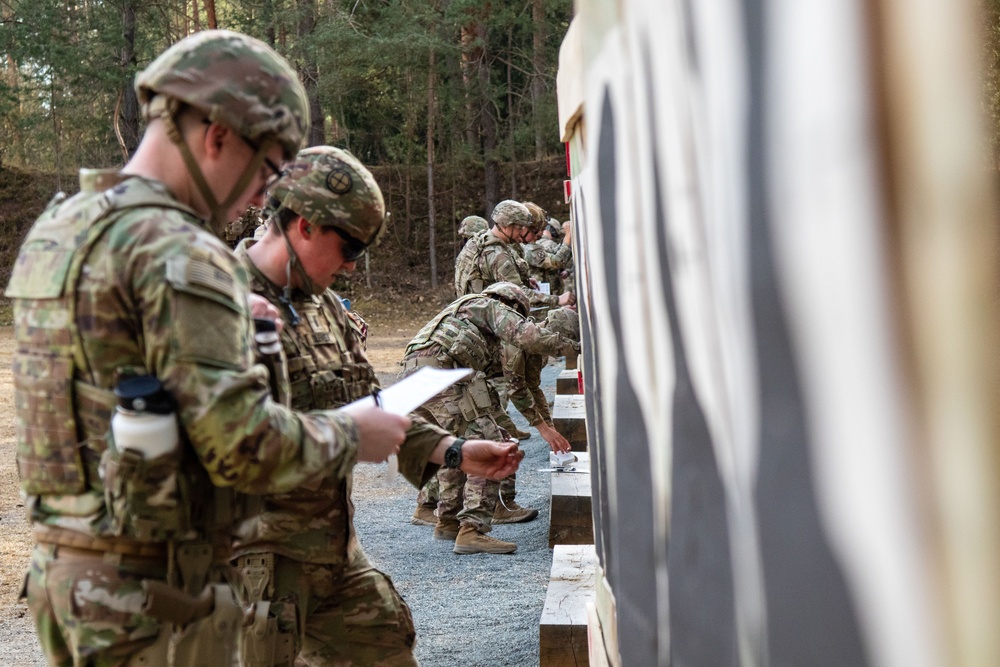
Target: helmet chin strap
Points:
(308, 285)
(168, 113)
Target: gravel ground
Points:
(469, 610)
(478, 610)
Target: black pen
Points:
(376, 396)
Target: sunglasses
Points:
(353, 249)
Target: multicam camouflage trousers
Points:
(461, 499)
(337, 615)
(88, 612)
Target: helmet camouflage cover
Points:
(538, 216)
(510, 294)
(236, 80)
(472, 225)
(565, 321)
(330, 187)
(511, 213)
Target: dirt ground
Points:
(391, 328)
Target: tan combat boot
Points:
(424, 516)
(513, 513)
(446, 530)
(471, 541)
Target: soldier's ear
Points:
(215, 138)
(305, 228)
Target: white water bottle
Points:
(144, 419)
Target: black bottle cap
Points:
(263, 324)
(144, 393)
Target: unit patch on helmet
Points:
(339, 181)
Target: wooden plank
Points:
(572, 361)
(607, 614)
(571, 515)
(569, 416)
(567, 382)
(597, 652)
(562, 631)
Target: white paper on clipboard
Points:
(410, 393)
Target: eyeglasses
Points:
(353, 249)
(277, 172)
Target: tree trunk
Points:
(309, 71)
(56, 133)
(471, 54)
(129, 115)
(510, 112)
(267, 17)
(431, 239)
(476, 73)
(538, 65)
(196, 15)
(213, 24)
(488, 132)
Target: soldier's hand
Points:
(567, 299)
(567, 232)
(485, 458)
(263, 309)
(557, 442)
(533, 284)
(381, 433)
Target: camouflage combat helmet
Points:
(511, 213)
(236, 80)
(510, 294)
(472, 225)
(330, 187)
(538, 216)
(554, 227)
(565, 321)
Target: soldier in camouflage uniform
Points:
(546, 259)
(495, 256)
(125, 279)
(469, 333)
(471, 226)
(523, 371)
(316, 595)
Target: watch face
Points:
(452, 457)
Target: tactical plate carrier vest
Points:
(321, 371)
(64, 443)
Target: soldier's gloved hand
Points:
(381, 433)
(557, 442)
(265, 310)
(485, 458)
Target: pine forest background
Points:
(450, 102)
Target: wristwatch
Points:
(453, 455)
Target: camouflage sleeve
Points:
(539, 300)
(502, 268)
(538, 257)
(497, 266)
(509, 326)
(190, 307)
(415, 452)
(518, 391)
(533, 365)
